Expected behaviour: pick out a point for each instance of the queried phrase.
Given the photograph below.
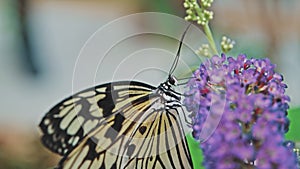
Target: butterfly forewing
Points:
(66, 124)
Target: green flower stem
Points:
(207, 31)
(202, 16)
(210, 39)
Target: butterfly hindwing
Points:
(165, 145)
(157, 142)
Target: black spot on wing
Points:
(113, 131)
(92, 154)
(142, 129)
(119, 119)
(108, 102)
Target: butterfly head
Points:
(171, 97)
(172, 80)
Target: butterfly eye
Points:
(173, 81)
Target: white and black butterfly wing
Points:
(66, 124)
(163, 144)
(157, 142)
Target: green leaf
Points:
(294, 134)
(195, 151)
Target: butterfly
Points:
(125, 124)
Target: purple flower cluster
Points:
(239, 113)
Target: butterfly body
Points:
(124, 124)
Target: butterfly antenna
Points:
(178, 51)
(186, 78)
(180, 84)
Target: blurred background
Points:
(40, 41)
